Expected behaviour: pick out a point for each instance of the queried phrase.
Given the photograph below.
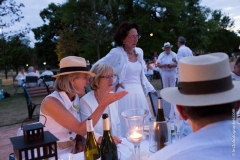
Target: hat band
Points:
(206, 87)
(72, 69)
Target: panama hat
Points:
(73, 64)
(203, 80)
(167, 44)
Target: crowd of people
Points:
(206, 96)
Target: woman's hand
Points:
(112, 97)
(119, 85)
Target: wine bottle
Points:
(91, 150)
(161, 131)
(108, 148)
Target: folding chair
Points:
(31, 81)
(154, 102)
(15, 84)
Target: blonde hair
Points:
(99, 70)
(62, 83)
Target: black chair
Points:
(154, 102)
(30, 105)
(31, 81)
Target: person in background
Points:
(183, 50)
(236, 71)
(209, 99)
(36, 71)
(150, 67)
(168, 69)
(155, 58)
(31, 73)
(62, 106)
(128, 64)
(21, 76)
(89, 102)
(47, 72)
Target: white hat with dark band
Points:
(167, 44)
(73, 64)
(203, 80)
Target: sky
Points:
(34, 7)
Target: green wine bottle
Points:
(91, 150)
(108, 148)
(161, 131)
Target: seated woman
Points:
(62, 106)
(99, 84)
(21, 76)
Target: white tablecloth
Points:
(126, 149)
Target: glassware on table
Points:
(135, 119)
(159, 134)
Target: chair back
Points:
(154, 103)
(48, 80)
(31, 81)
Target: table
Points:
(126, 149)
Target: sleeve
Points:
(149, 86)
(180, 54)
(17, 77)
(85, 112)
(108, 59)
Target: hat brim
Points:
(173, 95)
(65, 73)
(170, 47)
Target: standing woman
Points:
(62, 106)
(128, 64)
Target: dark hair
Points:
(48, 67)
(182, 40)
(238, 61)
(222, 111)
(123, 30)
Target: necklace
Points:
(97, 98)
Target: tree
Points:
(47, 34)
(67, 44)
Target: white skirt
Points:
(134, 99)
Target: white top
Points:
(117, 58)
(21, 76)
(133, 71)
(54, 127)
(47, 73)
(236, 77)
(88, 104)
(183, 51)
(165, 58)
(150, 71)
(211, 142)
(37, 72)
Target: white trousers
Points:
(169, 80)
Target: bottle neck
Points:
(89, 126)
(106, 125)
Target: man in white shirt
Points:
(168, 70)
(47, 72)
(31, 73)
(183, 50)
(21, 76)
(209, 101)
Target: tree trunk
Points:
(98, 51)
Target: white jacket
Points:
(89, 104)
(117, 58)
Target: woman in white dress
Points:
(89, 102)
(62, 106)
(128, 64)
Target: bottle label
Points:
(106, 125)
(89, 125)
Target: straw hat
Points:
(167, 44)
(203, 80)
(73, 64)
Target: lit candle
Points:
(136, 137)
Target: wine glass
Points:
(135, 119)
